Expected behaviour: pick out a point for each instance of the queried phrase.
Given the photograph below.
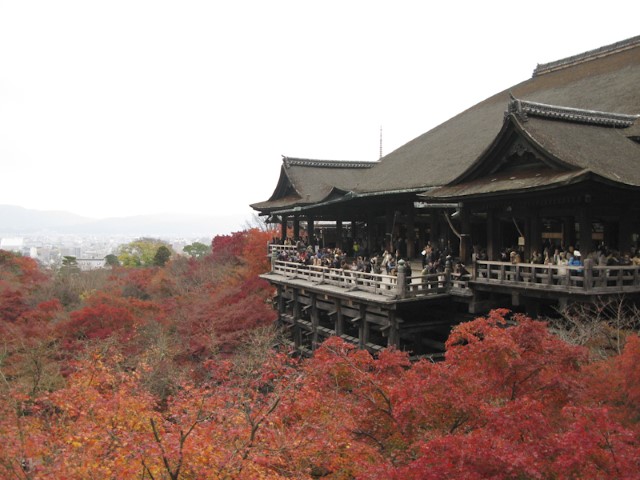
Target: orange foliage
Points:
(146, 395)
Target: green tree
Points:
(141, 252)
(112, 260)
(69, 264)
(162, 256)
(197, 250)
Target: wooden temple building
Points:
(553, 161)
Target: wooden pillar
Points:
(281, 304)
(339, 322)
(339, 234)
(315, 321)
(535, 234)
(363, 327)
(296, 228)
(411, 234)
(625, 231)
(388, 229)
(569, 232)
(393, 340)
(584, 221)
(435, 229)
(466, 248)
(493, 241)
(283, 228)
(310, 230)
(370, 234)
(297, 333)
(528, 239)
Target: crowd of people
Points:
(434, 260)
(558, 255)
(355, 257)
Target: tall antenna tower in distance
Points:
(380, 141)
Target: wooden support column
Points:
(433, 229)
(339, 234)
(625, 231)
(297, 333)
(530, 243)
(283, 228)
(535, 234)
(584, 220)
(310, 230)
(493, 236)
(281, 303)
(388, 229)
(296, 228)
(370, 235)
(315, 321)
(569, 232)
(363, 327)
(393, 340)
(339, 322)
(527, 239)
(411, 233)
(466, 249)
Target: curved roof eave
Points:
(349, 196)
(507, 187)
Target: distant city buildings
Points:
(89, 251)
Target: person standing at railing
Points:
(407, 271)
(391, 265)
(375, 265)
(576, 261)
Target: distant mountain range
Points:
(22, 221)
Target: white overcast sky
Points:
(113, 108)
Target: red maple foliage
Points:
(167, 375)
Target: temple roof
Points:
(305, 181)
(541, 69)
(563, 150)
(581, 110)
(604, 84)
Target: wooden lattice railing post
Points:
(401, 280)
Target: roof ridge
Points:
(616, 47)
(523, 108)
(308, 162)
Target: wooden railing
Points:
(271, 248)
(394, 286)
(587, 278)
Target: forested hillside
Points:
(169, 372)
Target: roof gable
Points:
(543, 145)
(284, 188)
(306, 181)
(520, 146)
(511, 151)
